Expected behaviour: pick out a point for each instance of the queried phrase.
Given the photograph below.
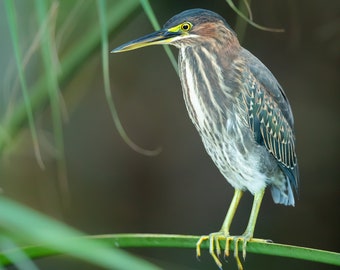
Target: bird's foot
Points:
(243, 239)
(215, 247)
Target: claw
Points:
(244, 248)
(227, 246)
(215, 247)
(236, 256)
(198, 245)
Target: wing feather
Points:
(270, 116)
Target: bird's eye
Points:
(186, 26)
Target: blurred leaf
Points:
(34, 228)
(51, 66)
(27, 104)
(70, 62)
(19, 258)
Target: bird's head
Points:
(188, 28)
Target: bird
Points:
(241, 113)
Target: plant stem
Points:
(189, 241)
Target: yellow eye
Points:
(186, 26)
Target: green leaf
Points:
(55, 238)
(70, 62)
(27, 104)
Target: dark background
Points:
(114, 189)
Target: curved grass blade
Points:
(107, 87)
(240, 24)
(51, 66)
(12, 21)
(250, 21)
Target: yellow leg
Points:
(249, 232)
(223, 235)
(232, 210)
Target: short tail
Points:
(283, 195)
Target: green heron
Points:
(240, 111)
